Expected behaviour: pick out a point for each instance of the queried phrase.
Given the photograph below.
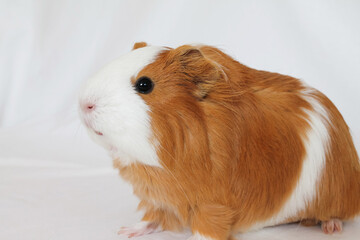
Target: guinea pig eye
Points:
(144, 85)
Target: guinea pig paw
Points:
(139, 229)
(331, 226)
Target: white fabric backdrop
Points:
(54, 182)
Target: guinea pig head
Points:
(146, 106)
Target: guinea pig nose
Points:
(88, 107)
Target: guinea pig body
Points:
(216, 146)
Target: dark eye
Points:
(144, 85)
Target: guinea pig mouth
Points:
(98, 133)
(89, 125)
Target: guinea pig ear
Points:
(200, 70)
(139, 45)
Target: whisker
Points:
(77, 131)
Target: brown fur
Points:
(139, 45)
(230, 143)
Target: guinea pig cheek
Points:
(125, 124)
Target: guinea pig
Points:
(215, 146)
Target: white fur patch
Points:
(198, 236)
(120, 114)
(316, 144)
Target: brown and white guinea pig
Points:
(219, 147)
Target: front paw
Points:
(139, 229)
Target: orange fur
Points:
(229, 140)
(139, 45)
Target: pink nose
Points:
(88, 107)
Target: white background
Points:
(54, 182)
